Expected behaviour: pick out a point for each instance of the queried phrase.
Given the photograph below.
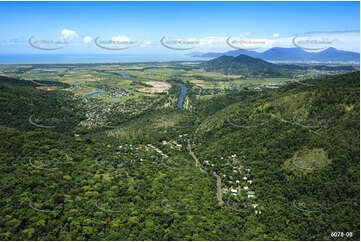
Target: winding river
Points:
(97, 91)
(182, 94)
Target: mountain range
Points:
(251, 67)
(290, 54)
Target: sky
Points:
(138, 27)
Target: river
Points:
(182, 94)
(97, 91)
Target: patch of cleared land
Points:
(46, 88)
(84, 80)
(157, 87)
(198, 82)
(234, 76)
(308, 160)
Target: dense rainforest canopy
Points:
(135, 179)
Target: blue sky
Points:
(207, 24)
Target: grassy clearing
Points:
(308, 160)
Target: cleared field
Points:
(83, 80)
(158, 87)
(198, 82)
(308, 160)
(47, 88)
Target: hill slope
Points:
(243, 64)
(302, 146)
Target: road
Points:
(219, 181)
(219, 188)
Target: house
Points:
(250, 196)
(244, 178)
(254, 205)
(249, 181)
(257, 212)
(237, 181)
(234, 192)
(251, 193)
(245, 187)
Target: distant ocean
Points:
(91, 58)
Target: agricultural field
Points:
(120, 82)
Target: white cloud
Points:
(276, 35)
(246, 34)
(87, 39)
(69, 34)
(122, 38)
(211, 41)
(145, 43)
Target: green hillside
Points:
(243, 64)
(80, 169)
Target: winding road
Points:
(219, 188)
(219, 181)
